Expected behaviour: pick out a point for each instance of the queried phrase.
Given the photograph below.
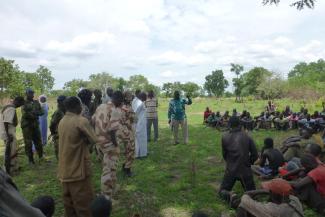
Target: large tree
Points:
(167, 88)
(192, 89)
(238, 81)
(44, 76)
(301, 4)
(11, 78)
(137, 82)
(102, 81)
(74, 85)
(215, 83)
(253, 78)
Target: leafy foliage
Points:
(301, 4)
(216, 83)
(253, 78)
(74, 86)
(238, 82)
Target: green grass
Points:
(173, 180)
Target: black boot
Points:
(128, 172)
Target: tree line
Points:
(304, 80)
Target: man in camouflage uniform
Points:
(126, 133)
(31, 110)
(56, 117)
(107, 122)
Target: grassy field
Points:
(173, 181)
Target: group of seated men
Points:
(269, 118)
(296, 173)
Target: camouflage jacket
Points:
(55, 120)
(31, 110)
(127, 123)
(107, 118)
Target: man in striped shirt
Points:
(152, 115)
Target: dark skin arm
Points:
(255, 193)
(292, 173)
(301, 183)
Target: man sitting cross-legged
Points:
(281, 203)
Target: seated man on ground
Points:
(281, 123)
(206, 114)
(247, 121)
(225, 119)
(270, 161)
(270, 108)
(293, 121)
(281, 202)
(239, 152)
(294, 146)
(311, 189)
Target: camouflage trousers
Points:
(13, 156)
(129, 147)
(109, 178)
(32, 134)
(55, 140)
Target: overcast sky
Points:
(165, 40)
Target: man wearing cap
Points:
(239, 152)
(55, 120)
(281, 204)
(8, 124)
(31, 111)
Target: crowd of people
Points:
(81, 125)
(92, 123)
(269, 118)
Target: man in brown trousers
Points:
(74, 172)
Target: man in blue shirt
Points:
(177, 116)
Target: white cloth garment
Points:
(141, 146)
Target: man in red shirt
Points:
(311, 189)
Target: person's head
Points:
(46, 204)
(109, 91)
(199, 214)
(177, 95)
(313, 149)
(305, 111)
(234, 122)
(98, 94)
(316, 114)
(287, 108)
(18, 101)
(73, 104)
(29, 94)
(143, 96)
(279, 189)
(128, 97)
(269, 102)
(60, 101)
(137, 93)
(268, 143)
(101, 207)
(151, 94)
(85, 96)
(226, 113)
(117, 98)
(42, 98)
(218, 113)
(207, 109)
(244, 113)
(308, 161)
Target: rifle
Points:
(8, 156)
